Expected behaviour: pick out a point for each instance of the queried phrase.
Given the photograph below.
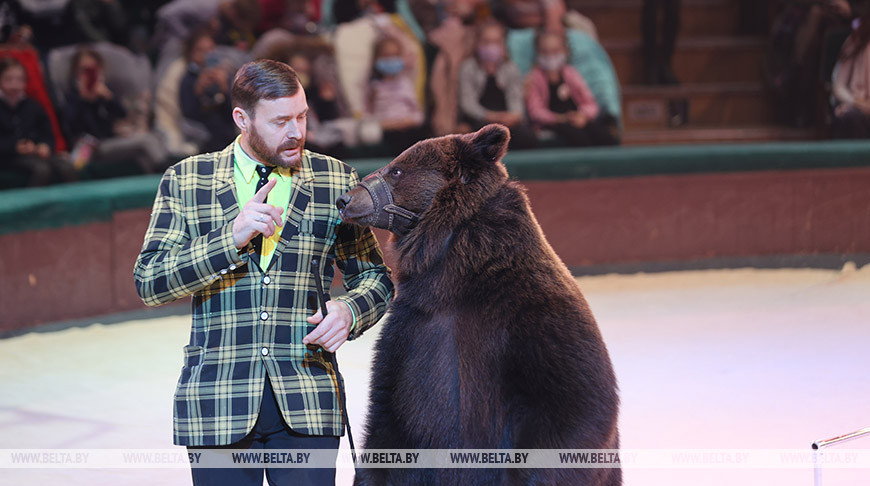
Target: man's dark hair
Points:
(263, 80)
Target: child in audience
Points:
(391, 98)
(26, 137)
(558, 98)
(491, 87)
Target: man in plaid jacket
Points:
(237, 230)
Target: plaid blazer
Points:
(248, 322)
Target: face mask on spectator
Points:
(490, 52)
(389, 66)
(552, 62)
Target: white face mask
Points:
(552, 62)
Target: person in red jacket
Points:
(26, 137)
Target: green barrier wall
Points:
(68, 250)
(72, 204)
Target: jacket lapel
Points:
(300, 195)
(224, 185)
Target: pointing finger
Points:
(260, 196)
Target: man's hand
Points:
(331, 332)
(257, 217)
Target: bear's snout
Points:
(355, 206)
(342, 202)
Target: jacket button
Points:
(223, 271)
(267, 280)
(232, 267)
(264, 315)
(264, 351)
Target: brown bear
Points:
(489, 343)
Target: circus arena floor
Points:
(737, 360)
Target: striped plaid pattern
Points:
(246, 321)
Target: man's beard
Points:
(273, 157)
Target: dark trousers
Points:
(41, 171)
(653, 52)
(270, 432)
(399, 140)
(853, 124)
(600, 131)
(522, 135)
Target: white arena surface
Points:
(744, 360)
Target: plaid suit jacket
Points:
(247, 322)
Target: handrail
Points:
(819, 445)
(840, 439)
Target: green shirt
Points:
(245, 177)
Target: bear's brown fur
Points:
(489, 342)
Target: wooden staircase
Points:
(721, 97)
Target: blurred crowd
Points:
(90, 83)
(135, 86)
(818, 64)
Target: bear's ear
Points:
(488, 145)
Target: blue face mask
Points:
(389, 66)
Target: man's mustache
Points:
(291, 144)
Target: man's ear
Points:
(243, 121)
(488, 145)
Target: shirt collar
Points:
(248, 166)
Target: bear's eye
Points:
(396, 172)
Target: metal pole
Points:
(840, 439)
(819, 446)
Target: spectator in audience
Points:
(61, 23)
(550, 15)
(142, 21)
(236, 23)
(491, 87)
(658, 57)
(26, 137)
(205, 91)
(792, 63)
(10, 21)
(851, 85)
(323, 108)
(454, 39)
(320, 82)
(96, 117)
(103, 20)
(355, 41)
(559, 99)
(391, 97)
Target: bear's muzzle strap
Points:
(388, 215)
